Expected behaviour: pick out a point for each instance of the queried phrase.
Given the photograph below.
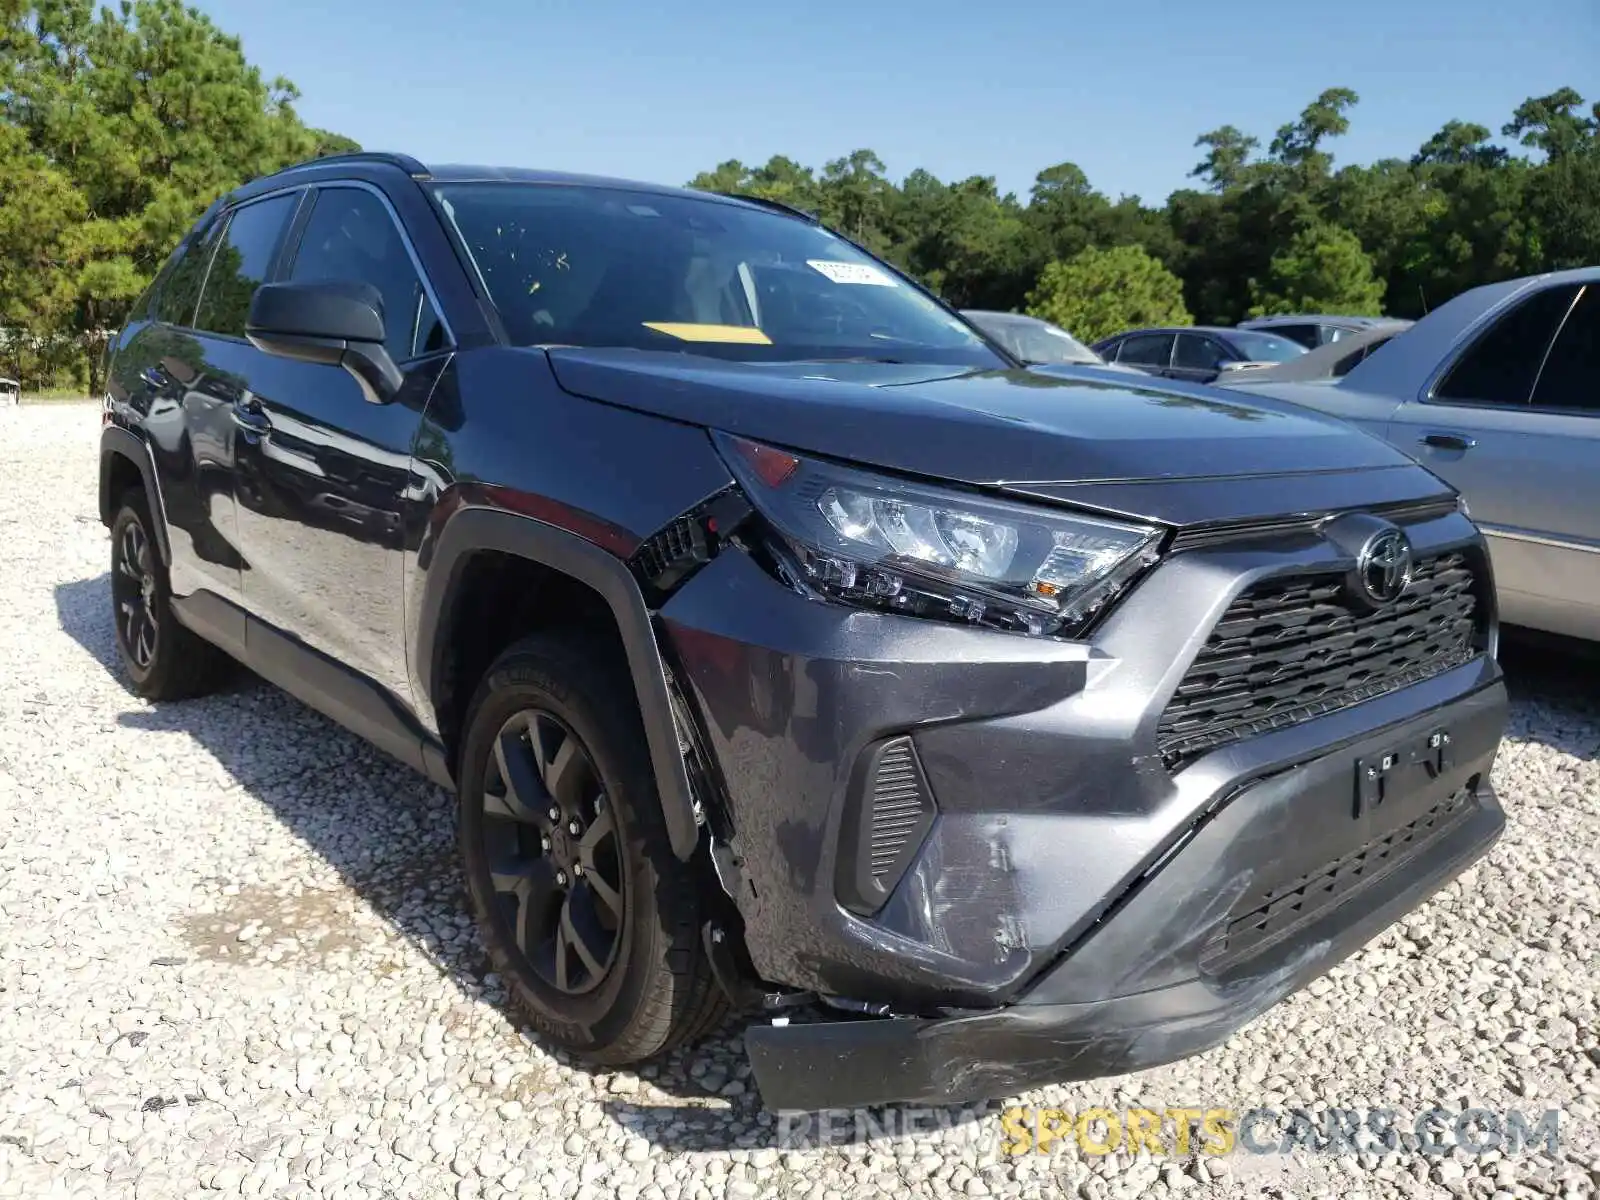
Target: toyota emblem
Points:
(1383, 567)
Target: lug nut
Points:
(561, 879)
(574, 828)
(555, 813)
(577, 870)
(544, 844)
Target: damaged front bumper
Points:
(1200, 948)
(1048, 897)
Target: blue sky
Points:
(660, 91)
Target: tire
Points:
(526, 874)
(163, 659)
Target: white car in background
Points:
(1498, 391)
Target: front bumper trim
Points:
(1002, 1052)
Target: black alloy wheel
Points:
(133, 590)
(555, 861)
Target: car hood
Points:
(1082, 434)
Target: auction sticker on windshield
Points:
(849, 272)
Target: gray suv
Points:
(787, 645)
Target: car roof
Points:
(382, 162)
(1224, 329)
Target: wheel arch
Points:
(125, 462)
(473, 533)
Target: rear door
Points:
(1514, 422)
(324, 473)
(186, 374)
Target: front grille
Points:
(1293, 648)
(1264, 918)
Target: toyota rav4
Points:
(787, 645)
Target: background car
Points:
(1197, 353)
(1311, 329)
(1499, 392)
(1332, 361)
(1035, 342)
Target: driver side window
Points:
(351, 237)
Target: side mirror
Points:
(332, 322)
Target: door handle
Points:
(1448, 441)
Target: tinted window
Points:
(1196, 352)
(602, 266)
(181, 291)
(1306, 335)
(1571, 375)
(1501, 365)
(241, 263)
(351, 236)
(1146, 349)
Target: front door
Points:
(1515, 425)
(323, 472)
(1196, 358)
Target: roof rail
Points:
(775, 205)
(405, 162)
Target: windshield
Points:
(1034, 341)
(1265, 347)
(602, 266)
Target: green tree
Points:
(117, 128)
(1322, 269)
(1552, 124)
(1228, 155)
(1097, 293)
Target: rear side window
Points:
(1571, 375)
(351, 236)
(181, 292)
(1146, 350)
(241, 263)
(1502, 365)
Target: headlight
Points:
(886, 543)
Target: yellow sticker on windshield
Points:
(688, 331)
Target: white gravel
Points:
(234, 957)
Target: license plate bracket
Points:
(1380, 776)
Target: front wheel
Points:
(586, 913)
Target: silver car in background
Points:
(1312, 329)
(1036, 342)
(1498, 391)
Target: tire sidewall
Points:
(598, 1019)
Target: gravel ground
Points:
(234, 957)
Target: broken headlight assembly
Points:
(874, 541)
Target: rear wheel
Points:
(165, 660)
(586, 913)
